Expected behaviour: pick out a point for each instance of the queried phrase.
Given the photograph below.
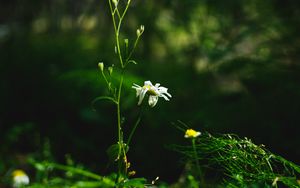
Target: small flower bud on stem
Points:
(101, 66)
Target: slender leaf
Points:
(104, 98)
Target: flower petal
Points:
(147, 83)
(135, 86)
(142, 95)
(165, 97)
(164, 90)
(152, 100)
(138, 91)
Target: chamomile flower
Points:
(19, 178)
(154, 91)
(190, 133)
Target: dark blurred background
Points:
(231, 66)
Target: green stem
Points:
(135, 126)
(117, 26)
(197, 162)
(131, 52)
(107, 82)
(75, 170)
(120, 140)
(118, 107)
(117, 31)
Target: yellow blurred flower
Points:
(190, 133)
(20, 178)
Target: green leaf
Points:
(132, 61)
(135, 182)
(74, 170)
(104, 98)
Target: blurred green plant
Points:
(52, 174)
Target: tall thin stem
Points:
(117, 18)
(197, 163)
(117, 31)
(118, 107)
(120, 140)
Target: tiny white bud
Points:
(140, 31)
(153, 181)
(115, 2)
(101, 66)
(142, 28)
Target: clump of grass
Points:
(240, 162)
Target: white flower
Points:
(20, 178)
(154, 92)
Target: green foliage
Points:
(134, 183)
(240, 162)
(77, 177)
(74, 176)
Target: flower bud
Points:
(142, 28)
(140, 31)
(115, 2)
(126, 42)
(110, 70)
(101, 66)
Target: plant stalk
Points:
(197, 163)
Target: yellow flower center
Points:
(150, 91)
(16, 173)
